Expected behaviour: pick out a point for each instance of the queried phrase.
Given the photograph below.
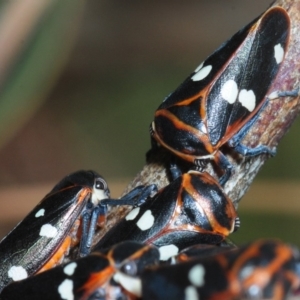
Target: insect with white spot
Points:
(264, 269)
(192, 209)
(106, 275)
(42, 239)
(221, 100)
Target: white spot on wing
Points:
(131, 284)
(168, 251)
(146, 221)
(40, 213)
(48, 231)
(191, 293)
(278, 53)
(229, 91)
(247, 99)
(202, 73)
(246, 272)
(70, 268)
(196, 275)
(65, 289)
(203, 128)
(132, 215)
(17, 273)
(255, 292)
(199, 67)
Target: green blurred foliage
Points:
(255, 225)
(40, 38)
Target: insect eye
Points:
(129, 268)
(100, 184)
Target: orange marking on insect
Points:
(182, 257)
(101, 220)
(294, 279)
(197, 97)
(71, 240)
(260, 276)
(265, 273)
(84, 193)
(205, 205)
(171, 226)
(180, 124)
(97, 280)
(58, 256)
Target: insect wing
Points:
(35, 239)
(76, 280)
(243, 83)
(264, 269)
(184, 108)
(227, 89)
(191, 88)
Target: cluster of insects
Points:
(172, 244)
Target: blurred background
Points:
(80, 81)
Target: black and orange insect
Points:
(264, 269)
(221, 100)
(60, 221)
(107, 275)
(192, 209)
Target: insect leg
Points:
(278, 94)
(236, 139)
(225, 165)
(85, 245)
(89, 221)
(136, 197)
